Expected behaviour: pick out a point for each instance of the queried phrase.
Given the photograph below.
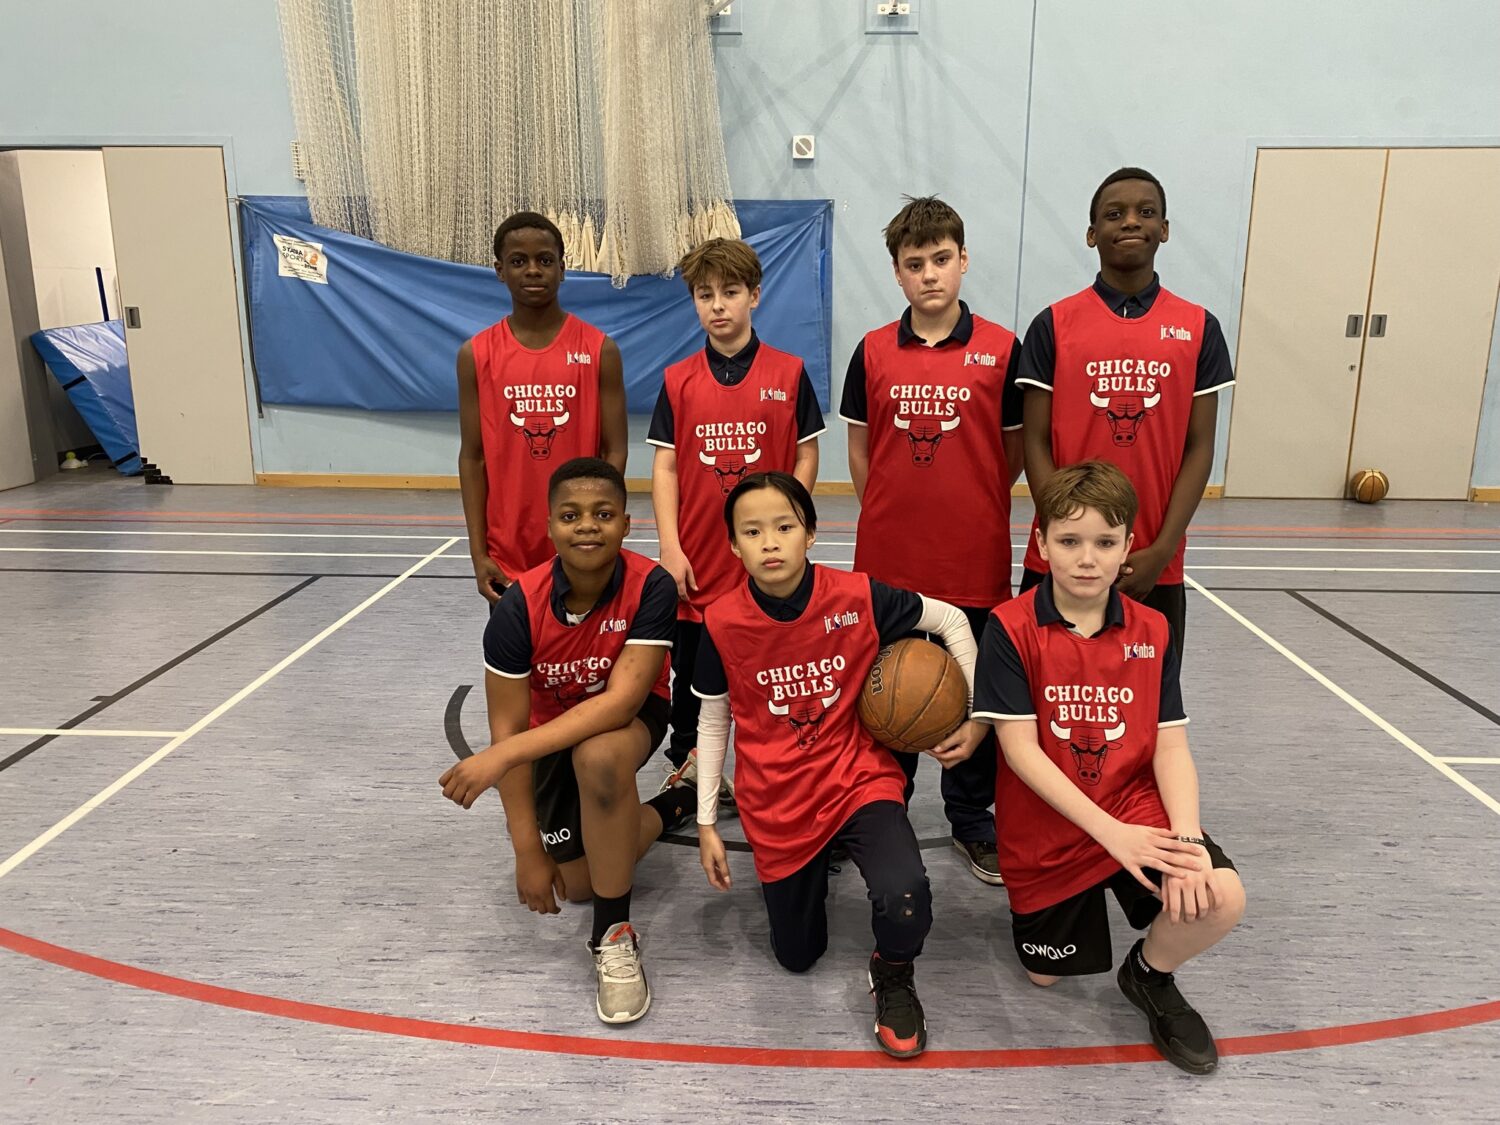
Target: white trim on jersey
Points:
(1033, 383)
(1173, 723)
(812, 436)
(994, 717)
(1010, 429)
(1215, 389)
(526, 675)
(660, 444)
(854, 421)
(653, 644)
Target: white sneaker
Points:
(624, 994)
(687, 774)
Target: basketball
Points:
(915, 696)
(1369, 485)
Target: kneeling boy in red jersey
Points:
(576, 680)
(1097, 789)
(787, 653)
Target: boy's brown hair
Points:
(924, 220)
(728, 259)
(1091, 484)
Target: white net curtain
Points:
(426, 122)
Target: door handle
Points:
(1353, 324)
(1377, 325)
(132, 316)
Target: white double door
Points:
(1370, 289)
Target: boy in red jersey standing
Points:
(1097, 787)
(735, 406)
(786, 653)
(1128, 372)
(934, 444)
(576, 681)
(536, 389)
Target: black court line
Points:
(1472, 704)
(109, 700)
(453, 727)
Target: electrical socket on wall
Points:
(891, 17)
(804, 146)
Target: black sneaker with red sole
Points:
(900, 1024)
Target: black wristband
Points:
(1192, 840)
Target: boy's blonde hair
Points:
(924, 220)
(1091, 484)
(727, 259)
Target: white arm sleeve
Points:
(949, 623)
(713, 740)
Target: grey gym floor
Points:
(277, 678)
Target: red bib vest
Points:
(569, 663)
(721, 434)
(1122, 391)
(1097, 701)
(537, 409)
(803, 762)
(936, 510)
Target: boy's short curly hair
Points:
(1091, 484)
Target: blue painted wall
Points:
(1184, 88)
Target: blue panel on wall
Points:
(361, 325)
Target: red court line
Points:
(546, 1042)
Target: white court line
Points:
(1470, 761)
(77, 733)
(125, 779)
(228, 534)
(1346, 569)
(180, 551)
(1362, 550)
(1432, 760)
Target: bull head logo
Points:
(923, 435)
(1089, 745)
(539, 430)
(573, 693)
(729, 468)
(1125, 414)
(805, 716)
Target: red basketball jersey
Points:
(721, 433)
(1122, 391)
(936, 510)
(1097, 701)
(537, 409)
(803, 762)
(569, 663)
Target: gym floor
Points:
(230, 889)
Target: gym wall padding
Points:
(90, 363)
(368, 327)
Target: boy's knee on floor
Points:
(1041, 980)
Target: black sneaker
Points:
(900, 1026)
(984, 860)
(1177, 1030)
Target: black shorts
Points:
(555, 788)
(1071, 938)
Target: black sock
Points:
(673, 807)
(609, 912)
(1142, 970)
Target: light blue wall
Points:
(1186, 89)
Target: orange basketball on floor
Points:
(915, 696)
(1369, 485)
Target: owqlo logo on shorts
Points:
(1051, 952)
(612, 625)
(561, 836)
(1172, 332)
(1134, 650)
(580, 357)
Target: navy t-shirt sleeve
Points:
(1214, 366)
(507, 637)
(1000, 687)
(709, 680)
(1169, 712)
(1039, 353)
(1011, 395)
(663, 429)
(896, 611)
(854, 407)
(809, 414)
(656, 620)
